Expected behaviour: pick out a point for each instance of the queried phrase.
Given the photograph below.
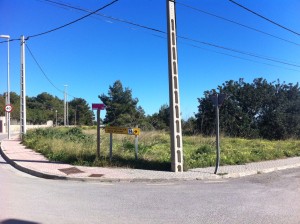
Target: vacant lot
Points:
(78, 146)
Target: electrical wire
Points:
(265, 18)
(43, 72)
(233, 56)
(281, 61)
(105, 16)
(163, 32)
(65, 25)
(239, 51)
(237, 23)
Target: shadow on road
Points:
(17, 221)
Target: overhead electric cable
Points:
(10, 40)
(41, 69)
(265, 18)
(109, 17)
(237, 23)
(182, 37)
(233, 56)
(239, 51)
(60, 27)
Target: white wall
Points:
(16, 128)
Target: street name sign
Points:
(98, 106)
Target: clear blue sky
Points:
(93, 53)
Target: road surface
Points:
(263, 198)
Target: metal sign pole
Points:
(110, 146)
(98, 134)
(217, 139)
(217, 101)
(136, 141)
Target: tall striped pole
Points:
(175, 116)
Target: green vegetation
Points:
(45, 107)
(256, 110)
(78, 146)
(253, 110)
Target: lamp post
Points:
(8, 84)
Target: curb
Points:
(26, 170)
(84, 179)
(140, 180)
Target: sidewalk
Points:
(36, 164)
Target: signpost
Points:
(125, 131)
(98, 107)
(217, 100)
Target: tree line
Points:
(45, 107)
(260, 109)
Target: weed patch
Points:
(78, 146)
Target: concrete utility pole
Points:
(8, 86)
(175, 117)
(23, 90)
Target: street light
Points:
(8, 84)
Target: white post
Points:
(23, 89)
(8, 89)
(175, 116)
(65, 106)
(8, 85)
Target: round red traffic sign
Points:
(8, 108)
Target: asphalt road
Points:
(264, 198)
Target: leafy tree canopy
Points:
(252, 110)
(121, 107)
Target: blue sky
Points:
(92, 54)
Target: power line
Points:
(237, 23)
(60, 27)
(239, 51)
(43, 72)
(182, 37)
(105, 16)
(265, 18)
(231, 55)
(39, 66)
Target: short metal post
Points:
(98, 134)
(110, 146)
(136, 141)
(217, 139)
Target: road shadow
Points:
(140, 164)
(17, 221)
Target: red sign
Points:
(98, 106)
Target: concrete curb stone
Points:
(33, 163)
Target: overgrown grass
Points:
(78, 146)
